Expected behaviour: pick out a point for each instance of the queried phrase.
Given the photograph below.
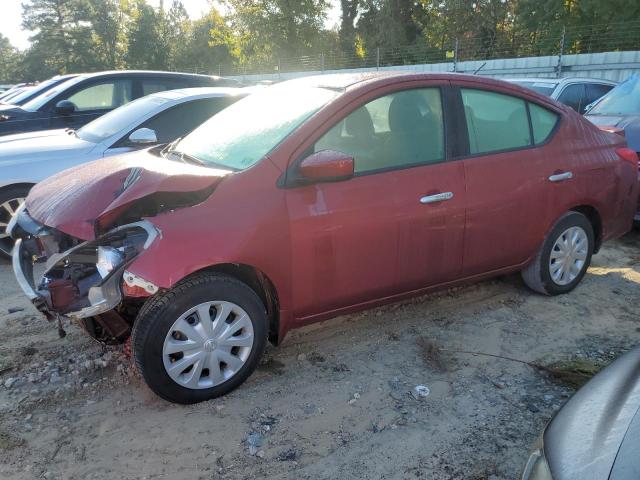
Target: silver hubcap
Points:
(208, 345)
(7, 209)
(568, 255)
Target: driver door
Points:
(92, 101)
(383, 232)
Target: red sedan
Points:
(313, 198)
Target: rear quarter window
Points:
(543, 122)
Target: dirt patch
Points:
(336, 400)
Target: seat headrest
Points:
(404, 112)
(359, 123)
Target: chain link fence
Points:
(557, 42)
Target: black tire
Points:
(158, 315)
(537, 275)
(9, 194)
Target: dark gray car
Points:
(85, 97)
(596, 435)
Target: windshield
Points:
(37, 102)
(243, 133)
(622, 100)
(541, 87)
(120, 118)
(30, 93)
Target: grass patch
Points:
(574, 373)
(431, 354)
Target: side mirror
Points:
(65, 107)
(143, 136)
(327, 166)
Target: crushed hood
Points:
(85, 200)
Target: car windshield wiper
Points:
(185, 157)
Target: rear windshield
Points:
(622, 100)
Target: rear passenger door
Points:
(508, 189)
(398, 224)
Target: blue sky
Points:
(11, 17)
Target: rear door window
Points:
(150, 86)
(574, 96)
(495, 121)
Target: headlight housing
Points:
(109, 259)
(537, 467)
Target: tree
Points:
(146, 48)
(349, 11)
(9, 61)
(177, 31)
(108, 21)
(62, 37)
(282, 28)
(210, 45)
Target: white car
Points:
(27, 158)
(576, 93)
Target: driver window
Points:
(102, 96)
(395, 131)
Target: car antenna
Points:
(479, 68)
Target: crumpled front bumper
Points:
(74, 297)
(102, 298)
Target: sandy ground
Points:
(333, 402)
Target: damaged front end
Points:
(82, 280)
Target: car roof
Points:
(556, 81)
(143, 73)
(202, 92)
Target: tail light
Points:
(628, 155)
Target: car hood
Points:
(85, 201)
(32, 135)
(27, 147)
(629, 123)
(11, 112)
(584, 438)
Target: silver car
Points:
(577, 93)
(162, 117)
(596, 434)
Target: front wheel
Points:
(564, 257)
(10, 199)
(201, 339)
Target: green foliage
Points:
(91, 35)
(9, 61)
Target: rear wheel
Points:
(10, 199)
(201, 339)
(564, 257)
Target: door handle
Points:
(438, 197)
(560, 177)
